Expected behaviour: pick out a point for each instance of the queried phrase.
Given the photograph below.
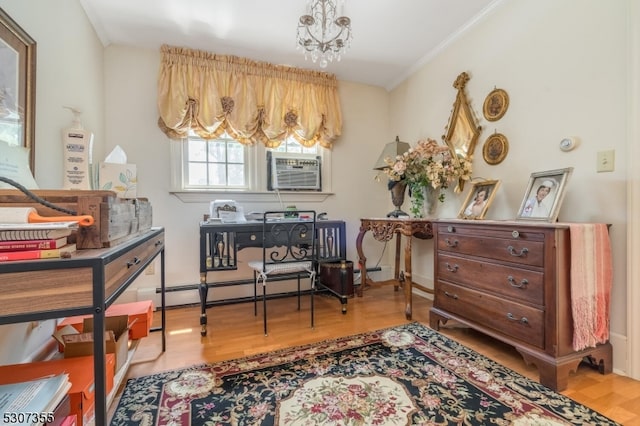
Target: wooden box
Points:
(116, 219)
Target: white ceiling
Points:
(390, 37)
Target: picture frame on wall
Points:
(478, 200)
(544, 195)
(17, 86)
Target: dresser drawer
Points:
(515, 320)
(516, 250)
(516, 283)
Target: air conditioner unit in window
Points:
(293, 172)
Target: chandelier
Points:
(322, 34)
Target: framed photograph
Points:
(17, 86)
(495, 105)
(479, 199)
(544, 194)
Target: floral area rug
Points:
(406, 375)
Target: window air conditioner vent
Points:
(293, 172)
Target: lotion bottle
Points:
(77, 148)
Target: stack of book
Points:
(26, 241)
(33, 402)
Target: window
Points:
(215, 163)
(292, 145)
(224, 165)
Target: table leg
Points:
(362, 262)
(396, 271)
(408, 279)
(203, 289)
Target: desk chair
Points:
(288, 247)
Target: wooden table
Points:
(383, 229)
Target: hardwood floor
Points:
(234, 332)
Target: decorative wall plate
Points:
(495, 105)
(495, 149)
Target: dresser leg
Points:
(555, 372)
(435, 319)
(602, 356)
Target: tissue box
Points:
(120, 178)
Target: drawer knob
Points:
(450, 243)
(252, 237)
(515, 234)
(453, 268)
(512, 251)
(453, 296)
(523, 282)
(522, 320)
(133, 262)
(450, 228)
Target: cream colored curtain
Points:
(252, 101)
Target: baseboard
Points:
(620, 361)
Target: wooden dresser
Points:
(511, 280)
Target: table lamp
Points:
(397, 188)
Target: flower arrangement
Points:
(427, 165)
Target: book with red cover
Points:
(21, 245)
(64, 251)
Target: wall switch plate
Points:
(606, 161)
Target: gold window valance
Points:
(252, 101)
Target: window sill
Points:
(200, 196)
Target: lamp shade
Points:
(391, 150)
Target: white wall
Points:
(563, 78)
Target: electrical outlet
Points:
(151, 269)
(606, 161)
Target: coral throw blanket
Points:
(591, 279)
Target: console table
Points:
(383, 229)
(221, 242)
(85, 284)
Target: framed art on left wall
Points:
(17, 86)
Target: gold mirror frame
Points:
(18, 83)
(462, 131)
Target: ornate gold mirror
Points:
(17, 86)
(462, 131)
